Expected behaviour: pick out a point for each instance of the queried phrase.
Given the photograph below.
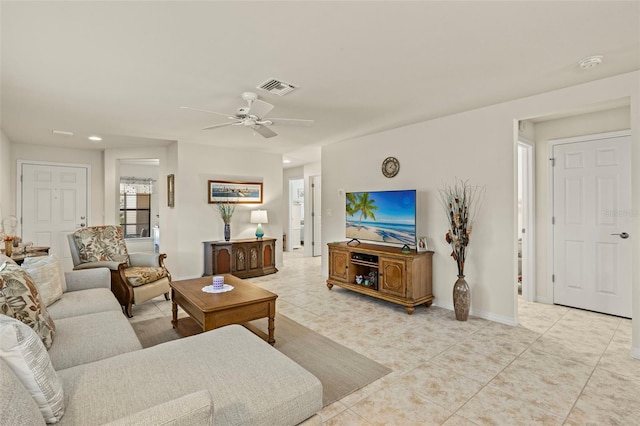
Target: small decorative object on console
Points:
(226, 210)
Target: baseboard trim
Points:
(546, 300)
(484, 315)
(635, 353)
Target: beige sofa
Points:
(226, 376)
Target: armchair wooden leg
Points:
(166, 296)
(127, 310)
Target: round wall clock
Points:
(390, 167)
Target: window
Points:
(135, 206)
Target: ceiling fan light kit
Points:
(252, 116)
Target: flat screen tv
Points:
(382, 216)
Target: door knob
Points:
(623, 235)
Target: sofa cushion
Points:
(89, 338)
(101, 243)
(84, 302)
(18, 406)
(250, 381)
(193, 409)
(46, 272)
(22, 350)
(139, 275)
(19, 299)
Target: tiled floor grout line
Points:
(586, 383)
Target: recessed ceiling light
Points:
(286, 161)
(95, 138)
(62, 132)
(590, 62)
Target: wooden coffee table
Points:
(246, 302)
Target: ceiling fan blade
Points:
(205, 110)
(260, 108)
(222, 125)
(292, 122)
(266, 132)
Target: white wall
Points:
(6, 189)
(195, 221)
(478, 145)
(584, 124)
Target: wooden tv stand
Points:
(402, 278)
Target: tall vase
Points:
(461, 299)
(227, 231)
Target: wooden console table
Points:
(33, 252)
(242, 258)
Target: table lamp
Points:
(259, 217)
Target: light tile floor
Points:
(559, 366)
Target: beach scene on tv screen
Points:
(385, 216)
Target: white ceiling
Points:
(122, 69)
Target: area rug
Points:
(340, 370)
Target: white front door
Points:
(53, 204)
(592, 215)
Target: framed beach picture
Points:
(422, 244)
(220, 191)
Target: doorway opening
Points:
(526, 210)
(316, 215)
(295, 241)
(139, 203)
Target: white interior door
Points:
(316, 215)
(592, 215)
(53, 204)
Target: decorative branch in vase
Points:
(226, 210)
(461, 202)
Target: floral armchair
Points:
(135, 277)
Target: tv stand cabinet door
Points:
(339, 265)
(392, 277)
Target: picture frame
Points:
(422, 244)
(221, 191)
(171, 190)
(300, 193)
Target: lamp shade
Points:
(259, 216)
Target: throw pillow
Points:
(22, 350)
(101, 243)
(19, 299)
(47, 274)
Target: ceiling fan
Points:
(253, 116)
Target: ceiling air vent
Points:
(277, 87)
